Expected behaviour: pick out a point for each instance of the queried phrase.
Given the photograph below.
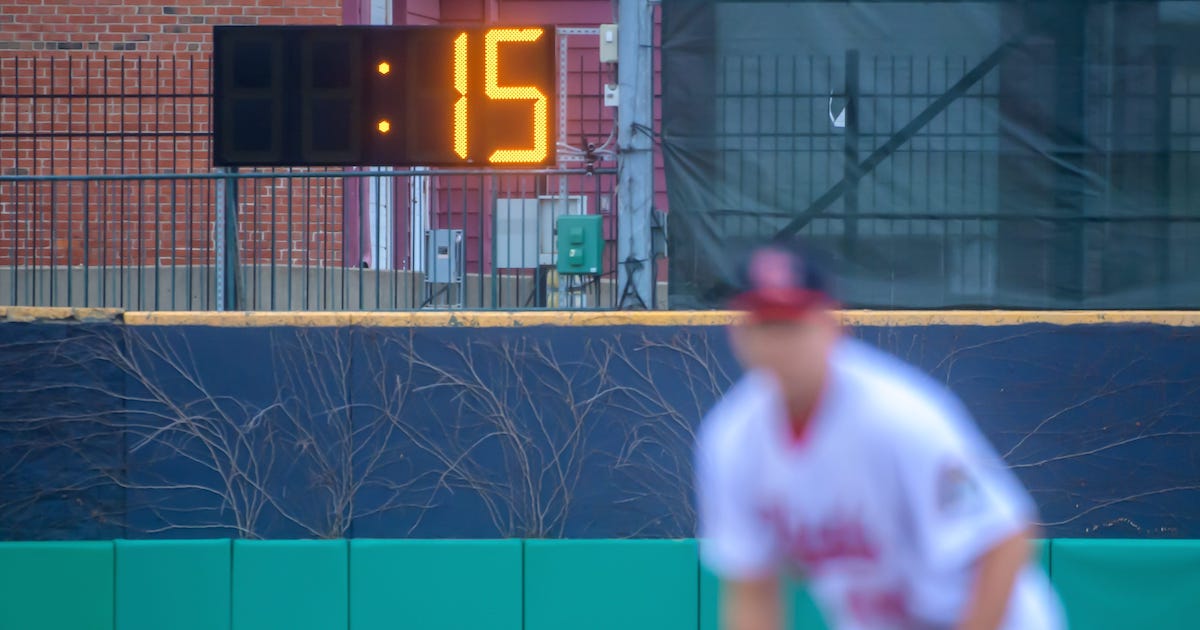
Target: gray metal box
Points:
(444, 251)
(608, 43)
(525, 228)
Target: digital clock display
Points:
(383, 96)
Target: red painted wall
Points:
(559, 12)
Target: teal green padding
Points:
(1122, 584)
(177, 584)
(710, 600)
(804, 612)
(56, 585)
(611, 585)
(1041, 553)
(290, 585)
(435, 584)
(800, 608)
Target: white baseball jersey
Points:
(882, 505)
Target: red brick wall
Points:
(144, 70)
(173, 26)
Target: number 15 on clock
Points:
(384, 96)
(483, 96)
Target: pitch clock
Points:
(383, 96)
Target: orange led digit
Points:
(460, 106)
(495, 91)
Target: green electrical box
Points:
(580, 241)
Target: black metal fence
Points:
(103, 114)
(795, 127)
(301, 241)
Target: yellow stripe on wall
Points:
(580, 318)
(1012, 318)
(463, 319)
(511, 319)
(57, 313)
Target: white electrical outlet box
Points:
(608, 43)
(612, 95)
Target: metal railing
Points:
(312, 240)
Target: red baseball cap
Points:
(780, 281)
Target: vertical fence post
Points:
(1163, 70)
(1070, 276)
(851, 172)
(219, 238)
(226, 243)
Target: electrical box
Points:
(612, 95)
(580, 242)
(608, 43)
(444, 256)
(525, 228)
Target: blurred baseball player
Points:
(837, 461)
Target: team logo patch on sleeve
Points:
(957, 491)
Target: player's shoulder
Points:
(896, 398)
(736, 418)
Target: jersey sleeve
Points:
(736, 540)
(959, 496)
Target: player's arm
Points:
(996, 572)
(736, 543)
(751, 605)
(969, 516)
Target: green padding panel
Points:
(1041, 553)
(1122, 584)
(803, 611)
(710, 600)
(56, 585)
(177, 584)
(611, 585)
(435, 585)
(290, 585)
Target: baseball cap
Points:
(780, 281)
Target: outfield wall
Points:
(530, 425)
(366, 584)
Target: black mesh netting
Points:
(944, 154)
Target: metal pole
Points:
(635, 162)
(850, 152)
(1163, 71)
(226, 244)
(219, 238)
